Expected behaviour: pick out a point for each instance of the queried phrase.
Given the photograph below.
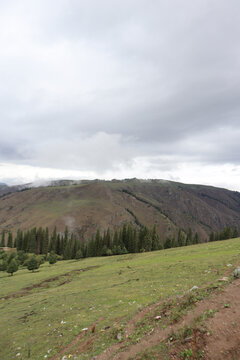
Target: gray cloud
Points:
(92, 86)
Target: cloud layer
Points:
(141, 88)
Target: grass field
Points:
(42, 312)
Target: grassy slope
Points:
(112, 292)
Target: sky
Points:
(120, 89)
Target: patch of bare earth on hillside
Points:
(214, 321)
(219, 340)
(66, 278)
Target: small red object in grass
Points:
(158, 317)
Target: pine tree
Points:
(189, 239)
(19, 240)
(39, 237)
(168, 243)
(67, 252)
(135, 241)
(108, 239)
(32, 241)
(98, 244)
(79, 255)
(58, 245)
(196, 238)
(181, 238)
(3, 239)
(147, 241)
(53, 244)
(45, 241)
(235, 232)
(130, 239)
(10, 240)
(155, 238)
(124, 236)
(211, 236)
(65, 238)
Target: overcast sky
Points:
(119, 89)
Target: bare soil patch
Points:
(221, 341)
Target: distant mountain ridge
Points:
(86, 205)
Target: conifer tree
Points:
(211, 236)
(135, 240)
(168, 243)
(189, 239)
(79, 255)
(181, 238)
(45, 241)
(147, 241)
(39, 237)
(65, 238)
(33, 241)
(98, 244)
(155, 238)
(19, 240)
(58, 245)
(235, 232)
(3, 239)
(108, 239)
(196, 238)
(53, 243)
(10, 240)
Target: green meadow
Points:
(42, 312)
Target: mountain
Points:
(84, 206)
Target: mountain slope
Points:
(88, 205)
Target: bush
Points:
(3, 265)
(12, 267)
(3, 255)
(109, 252)
(11, 256)
(41, 259)
(33, 264)
(52, 258)
(21, 257)
(79, 255)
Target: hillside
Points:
(87, 205)
(116, 300)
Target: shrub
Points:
(21, 257)
(12, 267)
(79, 255)
(52, 258)
(33, 264)
(11, 256)
(41, 259)
(3, 265)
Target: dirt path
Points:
(224, 343)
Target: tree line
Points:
(127, 239)
(226, 233)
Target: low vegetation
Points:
(101, 295)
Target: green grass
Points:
(109, 293)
